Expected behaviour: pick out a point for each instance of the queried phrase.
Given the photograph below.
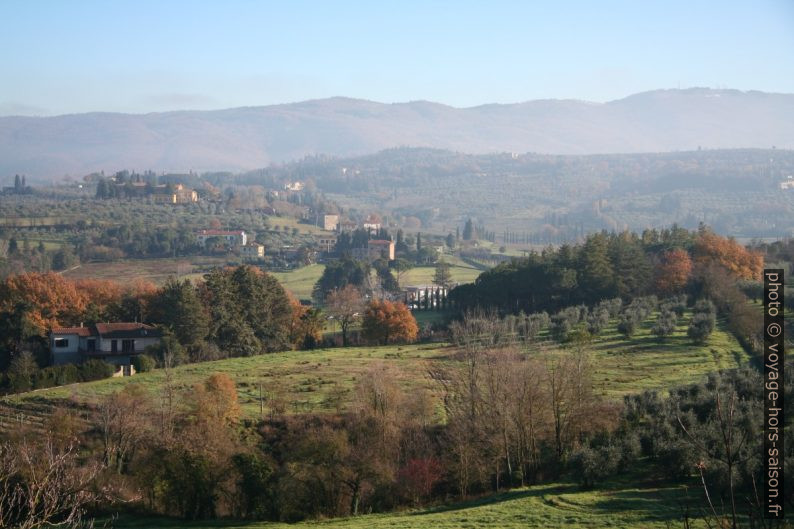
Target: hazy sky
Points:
(142, 56)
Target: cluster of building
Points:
(234, 240)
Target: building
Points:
(376, 249)
(232, 238)
(294, 186)
(372, 224)
(253, 250)
(330, 222)
(326, 243)
(178, 194)
(115, 343)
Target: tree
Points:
(345, 305)
(710, 248)
(340, 273)
(418, 241)
(443, 274)
(52, 300)
(665, 324)
(450, 240)
(177, 306)
(468, 230)
(386, 322)
(701, 326)
(673, 272)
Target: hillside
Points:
(251, 137)
(322, 380)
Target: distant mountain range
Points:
(251, 137)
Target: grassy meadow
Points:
(322, 380)
(643, 503)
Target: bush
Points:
(591, 465)
(94, 369)
(143, 363)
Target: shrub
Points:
(143, 363)
(94, 369)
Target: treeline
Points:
(605, 266)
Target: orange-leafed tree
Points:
(103, 298)
(216, 400)
(386, 322)
(673, 271)
(712, 249)
(306, 324)
(48, 298)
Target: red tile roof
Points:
(104, 328)
(79, 331)
(221, 232)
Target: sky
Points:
(59, 57)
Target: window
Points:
(127, 346)
(90, 345)
(114, 346)
(60, 343)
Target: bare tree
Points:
(43, 485)
(346, 305)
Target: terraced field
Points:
(321, 380)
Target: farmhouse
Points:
(115, 343)
(253, 250)
(376, 249)
(232, 238)
(326, 243)
(178, 194)
(330, 222)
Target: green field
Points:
(321, 380)
(423, 275)
(300, 281)
(619, 505)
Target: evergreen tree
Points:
(468, 230)
(597, 276)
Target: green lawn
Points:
(423, 275)
(301, 281)
(617, 505)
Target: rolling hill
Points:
(250, 137)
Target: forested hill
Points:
(251, 137)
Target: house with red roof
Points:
(115, 343)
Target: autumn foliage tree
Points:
(386, 322)
(673, 271)
(711, 248)
(51, 300)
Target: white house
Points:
(233, 238)
(115, 343)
